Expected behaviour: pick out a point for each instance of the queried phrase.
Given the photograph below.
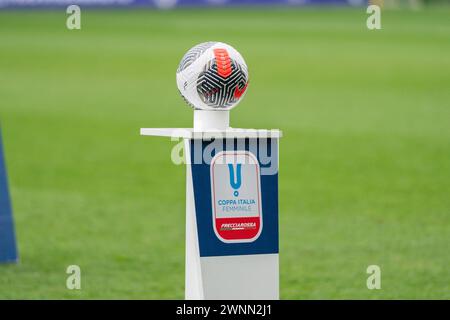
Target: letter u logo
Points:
(235, 183)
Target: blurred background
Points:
(364, 161)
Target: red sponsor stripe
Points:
(244, 228)
(223, 62)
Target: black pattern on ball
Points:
(220, 92)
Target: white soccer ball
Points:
(212, 76)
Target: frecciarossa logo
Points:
(236, 196)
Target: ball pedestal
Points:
(231, 208)
(211, 120)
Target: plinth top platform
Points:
(230, 133)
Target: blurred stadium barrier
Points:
(167, 4)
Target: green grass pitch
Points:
(364, 161)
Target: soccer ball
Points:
(212, 76)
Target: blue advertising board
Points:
(8, 250)
(172, 3)
(236, 197)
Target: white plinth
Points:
(221, 277)
(243, 277)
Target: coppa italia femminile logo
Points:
(236, 196)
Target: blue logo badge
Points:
(235, 184)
